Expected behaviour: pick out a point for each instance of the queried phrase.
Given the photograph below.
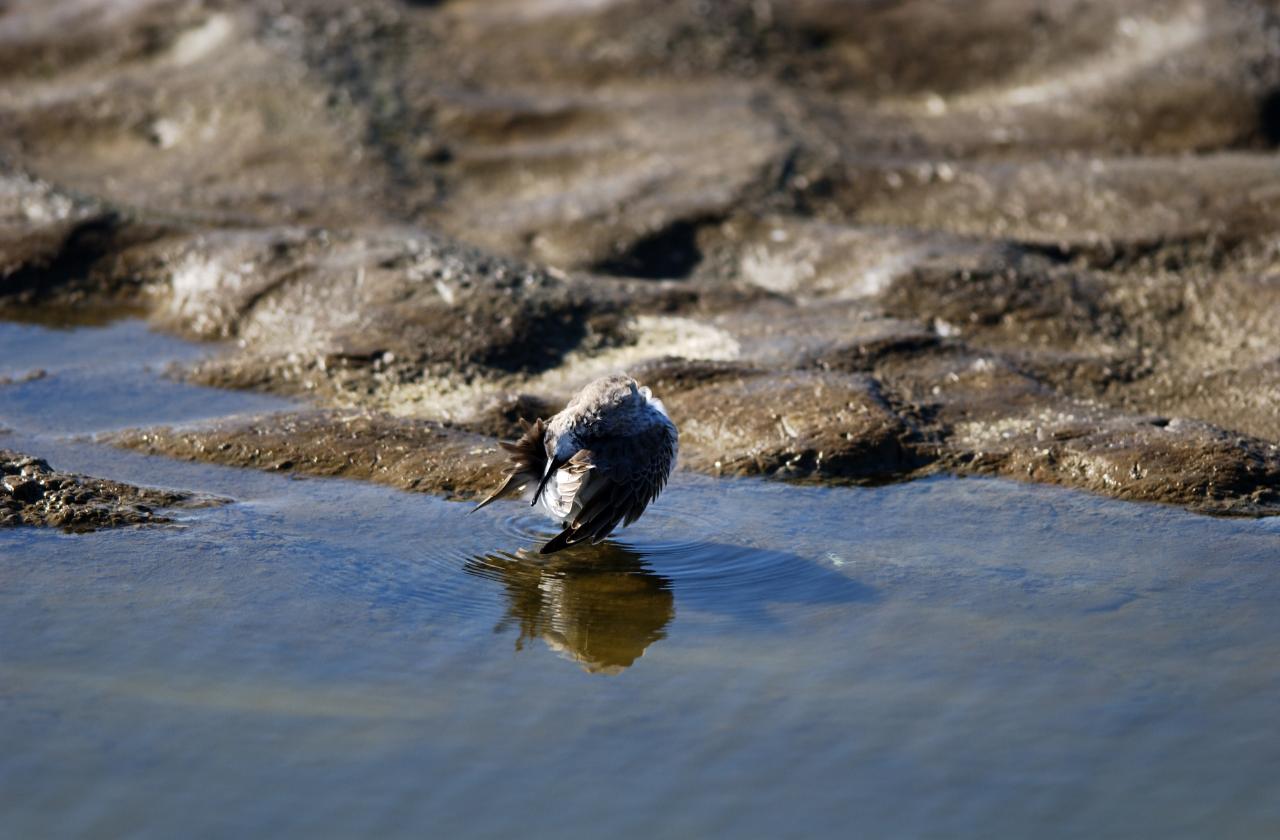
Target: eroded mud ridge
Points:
(33, 493)
(844, 241)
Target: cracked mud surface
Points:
(844, 242)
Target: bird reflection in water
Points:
(598, 605)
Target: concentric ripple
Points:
(404, 552)
(523, 524)
(601, 606)
(693, 552)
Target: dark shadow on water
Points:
(601, 607)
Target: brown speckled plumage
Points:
(596, 464)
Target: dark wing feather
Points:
(634, 470)
(528, 461)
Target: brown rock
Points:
(408, 454)
(33, 493)
(21, 488)
(797, 425)
(994, 236)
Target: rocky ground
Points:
(844, 241)
(33, 493)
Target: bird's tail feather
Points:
(528, 461)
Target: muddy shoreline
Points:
(1043, 247)
(34, 493)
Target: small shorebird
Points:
(598, 462)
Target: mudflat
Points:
(845, 242)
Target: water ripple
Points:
(696, 553)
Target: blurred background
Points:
(568, 131)
(1025, 220)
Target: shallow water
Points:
(948, 658)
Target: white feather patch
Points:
(653, 401)
(564, 489)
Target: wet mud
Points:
(408, 454)
(34, 493)
(844, 242)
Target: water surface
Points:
(323, 658)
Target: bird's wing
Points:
(621, 476)
(572, 486)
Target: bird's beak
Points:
(556, 463)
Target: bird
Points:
(597, 463)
